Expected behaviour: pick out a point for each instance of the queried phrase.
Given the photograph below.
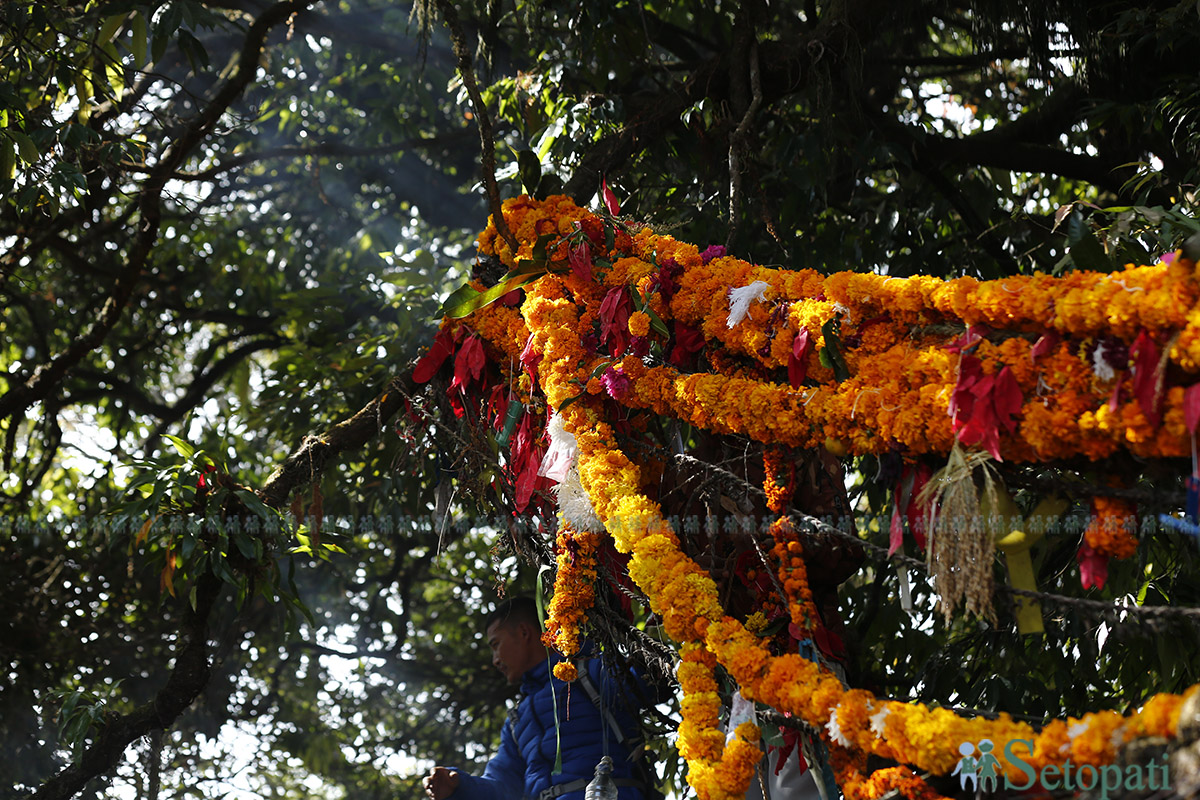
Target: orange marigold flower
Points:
(639, 323)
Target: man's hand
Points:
(440, 783)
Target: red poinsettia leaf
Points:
(610, 199)
(1147, 380)
(521, 440)
(896, 530)
(468, 364)
(962, 401)
(526, 482)
(829, 643)
(1045, 344)
(431, 362)
(614, 320)
(1007, 399)
(530, 358)
(916, 511)
(498, 405)
(1191, 407)
(1093, 568)
(580, 259)
(798, 362)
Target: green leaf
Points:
(656, 323)
(138, 32)
(570, 400)
(183, 448)
(466, 300)
(109, 29)
(530, 170)
(541, 247)
(1085, 249)
(253, 502)
(8, 161)
(26, 149)
(245, 545)
(549, 184)
(830, 354)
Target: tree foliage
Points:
(225, 227)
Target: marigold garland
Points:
(717, 769)
(902, 374)
(902, 371)
(891, 779)
(1109, 531)
(573, 595)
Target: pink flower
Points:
(615, 382)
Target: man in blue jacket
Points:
(587, 714)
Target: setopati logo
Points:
(980, 770)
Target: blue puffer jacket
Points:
(520, 770)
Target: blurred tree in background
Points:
(227, 226)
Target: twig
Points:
(737, 142)
(483, 122)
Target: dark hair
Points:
(514, 611)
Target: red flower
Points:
(688, 342)
(615, 382)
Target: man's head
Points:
(515, 636)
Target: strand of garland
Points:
(574, 594)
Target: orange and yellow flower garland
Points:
(1108, 533)
(717, 769)
(573, 595)
(901, 377)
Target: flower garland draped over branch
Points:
(1029, 368)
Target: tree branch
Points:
(322, 149)
(47, 377)
(188, 678)
(483, 122)
(308, 460)
(168, 414)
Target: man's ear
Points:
(530, 632)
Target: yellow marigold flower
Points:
(639, 323)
